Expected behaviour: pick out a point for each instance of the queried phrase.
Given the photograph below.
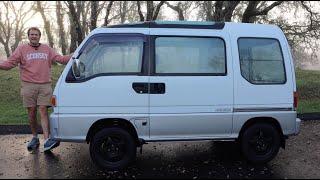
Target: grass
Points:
(12, 111)
(308, 86)
(11, 108)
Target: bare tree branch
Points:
(106, 21)
(156, 12)
(252, 11)
(176, 8)
(139, 11)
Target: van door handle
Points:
(140, 87)
(157, 88)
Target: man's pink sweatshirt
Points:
(34, 63)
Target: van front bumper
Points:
(298, 123)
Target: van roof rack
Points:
(172, 24)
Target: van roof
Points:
(172, 24)
(241, 29)
(185, 25)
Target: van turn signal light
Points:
(53, 101)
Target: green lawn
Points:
(11, 109)
(12, 112)
(308, 86)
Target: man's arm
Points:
(12, 61)
(59, 58)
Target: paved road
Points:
(190, 160)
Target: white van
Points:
(131, 84)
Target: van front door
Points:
(110, 85)
(191, 86)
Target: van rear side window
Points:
(261, 61)
(190, 56)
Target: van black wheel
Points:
(260, 143)
(112, 148)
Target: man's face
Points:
(34, 37)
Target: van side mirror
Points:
(78, 68)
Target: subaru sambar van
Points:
(130, 84)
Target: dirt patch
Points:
(301, 158)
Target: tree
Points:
(128, 11)
(123, 11)
(62, 34)
(152, 11)
(217, 11)
(304, 34)
(181, 8)
(83, 8)
(253, 10)
(76, 32)
(47, 26)
(108, 10)
(13, 28)
(94, 14)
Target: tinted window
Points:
(261, 61)
(112, 56)
(190, 55)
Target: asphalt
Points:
(25, 129)
(164, 160)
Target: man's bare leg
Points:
(49, 143)
(32, 116)
(44, 121)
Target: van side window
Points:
(261, 61)
(103, 56)
(190, 55)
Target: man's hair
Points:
(34, 28)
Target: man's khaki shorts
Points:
(36, 94)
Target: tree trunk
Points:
(248, 15)
(7, 49)
(79, 9)
(73, 34)
(208, 9)
(176, 8)
(251, 13)
(218, 14)
(150, 9)
(46, 24)
(139, 11)
(75, 24)
(62, 36)
(17, 35)
(106, 18)
(230, 7)
(94, 15)
(84, 13)
(123, 11)
(157, 10)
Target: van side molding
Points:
(261, 109)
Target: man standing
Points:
(34, 60)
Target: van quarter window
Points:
(190, 55)
(261, 61)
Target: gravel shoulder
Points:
(301, 157)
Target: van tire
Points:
(260, 143)
(112, 148)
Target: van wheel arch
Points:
(107, 123)
(270, 120)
